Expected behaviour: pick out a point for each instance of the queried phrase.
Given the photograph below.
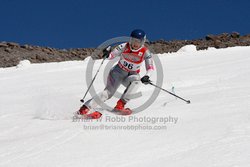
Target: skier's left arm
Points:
(149, 66)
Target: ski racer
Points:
(132, 54)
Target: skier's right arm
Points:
(117, 51)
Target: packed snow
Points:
(37, 105)
(188, 48)
(23, 64)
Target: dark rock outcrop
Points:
(12, 53)
(218, 41)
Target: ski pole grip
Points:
(106, 52)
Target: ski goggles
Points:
(135, 41)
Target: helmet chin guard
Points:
(136, 44)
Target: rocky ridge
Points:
(12, 53)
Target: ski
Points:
(97, 114)
(125, 111)
(93, 115)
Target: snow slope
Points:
(37, 102)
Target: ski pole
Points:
(187, 101)
(82, 100)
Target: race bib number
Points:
(129, 65)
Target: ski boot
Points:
(120, 108)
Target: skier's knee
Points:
(131, 91)
(131, 79)
(109, 93)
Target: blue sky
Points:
(79, 23)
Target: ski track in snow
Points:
(37, 102)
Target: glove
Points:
(106, 52)
(145, 79)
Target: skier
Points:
(126, 72)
